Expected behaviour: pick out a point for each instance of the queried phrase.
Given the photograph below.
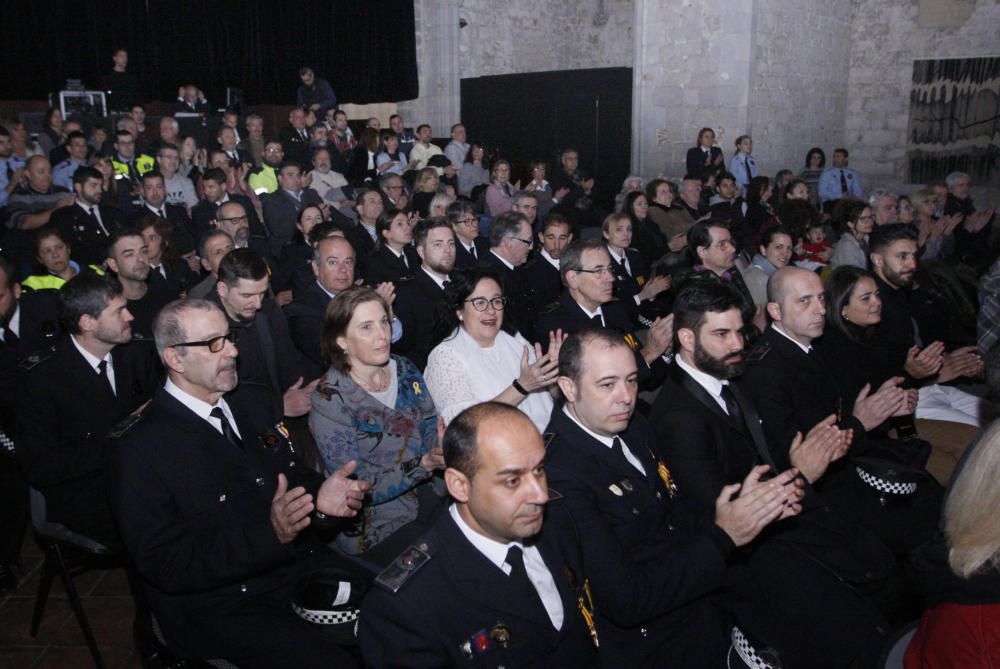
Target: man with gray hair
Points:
(883, 205)
(973, 234)
(510, 241)
(191, 477)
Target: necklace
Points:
(377, 387)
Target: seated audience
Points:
(394, 259)
(500, 192)
(212, 248)
(52, 253)
(473, 170)
(88, 223)
(774, 252)
(281, 208)
(396, 447)
(469, 246)
(852, 247)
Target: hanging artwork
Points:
(954, 120)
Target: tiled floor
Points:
(60, 644)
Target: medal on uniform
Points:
(587, 611)
(615, 490)
(501, 634)
(664, 473)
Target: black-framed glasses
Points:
(233, 219)
(215, 344)
(526, 242)
(599, 270)
(480, 303)
(468, 221)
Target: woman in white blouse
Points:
(479, 362)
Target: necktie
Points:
(227, 430)
(102, 371)
(628, 270)
(519, 576)
(161, 213)
(9, 337)
(597, 320)
(472, 250)
(746, 165)
(445, 284)
(732, 406)
(844, 189)
(93, 214)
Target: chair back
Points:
(51, 532)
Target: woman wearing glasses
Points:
(478, 361)
(374, 408)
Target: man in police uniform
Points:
(653, 560)
(211, 502)
(485, 587)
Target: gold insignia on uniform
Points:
(587, 611)
(630, 340)
(641, 280)
(661, 469)
(501, 634)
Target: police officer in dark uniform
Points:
(653, 561)
(485, 587)
(212, 503)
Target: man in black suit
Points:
(154, 196)
(72, 398)
(87, 224)
(363, 235)
(128, 259)
(587, 301)
(653, 561)
(274, 377)
(540, 276)
(418, 300)
(212, 505)
(226, 136)
(216, 195)
(796, 593)
(232, 218)
(791, 384)
(510, 242)
(295, 138)
(469, 246)
(282, 207)
(487, 586)
(190, 100)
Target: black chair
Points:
(190, 664)
(66, 554)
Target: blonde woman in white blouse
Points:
(479, 361)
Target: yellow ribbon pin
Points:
(416, 387)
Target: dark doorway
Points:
(534, 116)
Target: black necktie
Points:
(746, 164)
(843, 184)
(227, 430)
(472, 250)
(9, 337)
(519, 576)
(597, 320)
(102, 371)
(445, 284)
(732, 406)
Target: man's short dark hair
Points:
(130, 231)
(505, 225)
(571, 352)
(461, 439)
(697, 298)
(459, 208)
(152, 174)
(85, 173)
(699, 235)
(422, 126)
(85, 294)
(289, 163)
(724, 176)
(8, 271)
(426, 225)
(209, 236)
(842, 151)
(303, 71)
(571, 258)
(883, 236)
(75, 134)
(241, 264)
(555, 218)
(169, 146)
(216, 174)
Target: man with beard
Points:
(87, 224)
(275, 379)
(233, 220)
(330, 183)
(728, 205)
(652, 561)
(265, 178)
(419, 299)
(154, 198)
(791, 594)
(212, 503)
(71, 399)
(540, 275)
(212, 248)
(217, 194)
(128, 258)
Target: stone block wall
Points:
(886, 37)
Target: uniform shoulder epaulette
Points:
(129, 421)
(399, 571)
(759, 352)
(35, 359)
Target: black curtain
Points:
(365, 49)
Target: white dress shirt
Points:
(609, 442)
(203, 409)
(94, 361)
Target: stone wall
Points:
(887, 36)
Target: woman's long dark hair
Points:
(839, 288)
(462, 284)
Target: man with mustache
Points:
(212, 503)
(791, 595)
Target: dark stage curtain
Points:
(365, 49)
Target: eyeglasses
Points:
(273, 151)
(480, 303)
(526, 242)
(394, 188)
(233, 219)
(600, 270)
(215, 344)
(472, 220)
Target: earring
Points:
(844, 314)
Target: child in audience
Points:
(815, 250)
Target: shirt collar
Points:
(91, 359)
(607, 441)
(503, 260)
(706, 381)
(805, 349)
(552, 261)
(199, 407)
(323, 288)
(617, 258)
(434, 277)
(492, 550)
(591, 314)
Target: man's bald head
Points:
(797, 303)
(777, 284)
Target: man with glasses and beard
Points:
(795, 594)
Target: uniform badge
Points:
(615, 490)
(403, 567)
(641, 280)
(632, 343)
(661, 469)
(626, 485)
(479, 643)
(586, 604)
(501, 634)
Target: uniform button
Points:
(643, 632)
(670, 527)
(259, 481)
(635, 512)
(243, 587)
(659, 496)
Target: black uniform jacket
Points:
(459, 595)
(415, 305)
(653, 561)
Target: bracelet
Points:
(519, 388)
